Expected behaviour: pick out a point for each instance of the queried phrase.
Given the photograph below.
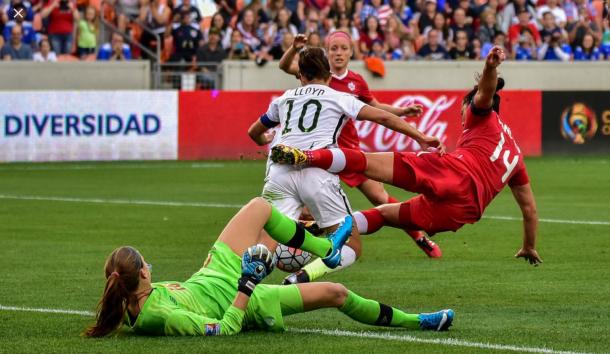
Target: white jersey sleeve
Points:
(350, 105)
(273, 112)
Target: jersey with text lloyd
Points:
(312, 116)
(491, 155)
(353, 84)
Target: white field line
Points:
(113, 167)
(120, 201)
(341, 333)
(439, 341)
(222, 205)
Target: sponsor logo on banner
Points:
(88, 125)
(374, 137)
(578, 123)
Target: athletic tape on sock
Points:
(385, 315)
(361, 222)
(339, 161)
(299, 236)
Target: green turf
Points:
(52, 254)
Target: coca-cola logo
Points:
(374, 137)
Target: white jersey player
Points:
(311, 117)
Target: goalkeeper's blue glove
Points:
(256, 263)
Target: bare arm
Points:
(288, 64)
(409, 111)
(46, 11)
(525, 198)
(489, 79)
(392, 121)
(258, 133)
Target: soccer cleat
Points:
(436, 321)
(296, 278)
(429, 247)
(287, 155)
(338, 239)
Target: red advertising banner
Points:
(214, 124)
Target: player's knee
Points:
(379, 198)
(338, 294)
(257, 203)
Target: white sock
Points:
(361, 222)
(339, 161)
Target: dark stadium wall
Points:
(576, 122)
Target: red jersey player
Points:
(454, 188)
(340, 50)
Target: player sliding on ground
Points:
(454, 188)
(311, 116)
(340, 48)
(223, 297)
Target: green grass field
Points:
(58, 222)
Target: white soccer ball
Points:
(291, 259)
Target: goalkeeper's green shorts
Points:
(268, 303)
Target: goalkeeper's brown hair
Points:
(122, 270)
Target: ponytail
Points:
(122, 279)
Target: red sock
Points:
(337, 160)
(373, 220)
(392, 200)
(415, 234)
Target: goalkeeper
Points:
(223, 297)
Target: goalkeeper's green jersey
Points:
(202, 305)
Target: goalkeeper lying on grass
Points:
(223, 297)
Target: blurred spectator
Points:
(432, 50)
(239, 50)
(476, 48)
(460, 23)
(487, 28)
(127, 10)
(341, 7)
(511, 11)
(320, 6)
(462, 49)
(248, 28)
(279, 27)
(378, 49)
(445, 32)
(524, 24)
(194, 14)
(115, 50)
(260, 16)
(61, 15)
(575, 9)
(588, 51)
(45, 53)
(312, 24)
(19, 4)
(187, 37)
(277, 50)
(87, 33)
(393, 32)
(499, 40)
(344, 23)
(29, 34)
(370, 32)
(584, 25)
(406, 50)
(226, 8)
(554, 50)
(275, 6)
(155, 15)
(15, 49)
(526, 47)
(549, 26)
(314, 40)
(404, 12)
(212, 51)
(224, 30)
(426, 17)
(377, 9)
(558, 13)
(605, 42)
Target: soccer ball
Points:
(291, 259)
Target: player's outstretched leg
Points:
(371, 220)
(290, 233)
(322, 295)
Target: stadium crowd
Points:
(262, 30)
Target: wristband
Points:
(246, 285)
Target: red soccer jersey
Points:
(354, 84)
(490, 155)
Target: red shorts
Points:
(448, 197)
(352, 179)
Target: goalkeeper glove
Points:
(256, 263)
